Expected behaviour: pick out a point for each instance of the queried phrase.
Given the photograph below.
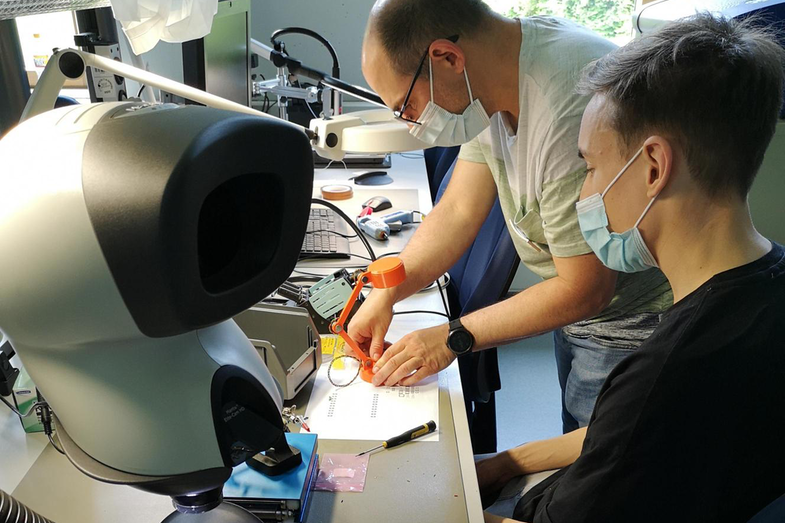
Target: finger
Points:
(408, 366)
(388, 363)
(417, 377)
(388, 353)
(377, 345)
(358, 335)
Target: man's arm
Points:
(495, 472)
(490, 518)
(450, 228)
(439, 242)
(582, 289)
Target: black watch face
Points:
(460, 341)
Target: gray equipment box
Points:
(287, 340)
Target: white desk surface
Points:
(38, 476)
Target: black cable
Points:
(304, 279)
(316, 36)
(318, 256)
(276, 301)
(45, 416)
(318, 276)
(52, 441)
(348, 237)
(139, 94)
(444, 301)
(359, 256)
(388, 254)
(437, 313)
(348, 220)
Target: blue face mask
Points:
(625, 252)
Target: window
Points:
(609, 18)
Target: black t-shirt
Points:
(690, 426)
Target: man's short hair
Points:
(406, 28)
(712, 84)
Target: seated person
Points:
(689, 427)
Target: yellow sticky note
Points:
(333, 347)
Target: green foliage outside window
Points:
(610, 18)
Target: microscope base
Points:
(223, 513)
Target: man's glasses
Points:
(399, 114)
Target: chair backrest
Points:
(438, 161)
(480, 278)
(483, 274)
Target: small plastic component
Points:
(342, 473)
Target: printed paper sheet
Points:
(364, 412)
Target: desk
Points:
(421, 481)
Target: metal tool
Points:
(288, 415)
(409, 435)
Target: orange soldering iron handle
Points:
(381, 274)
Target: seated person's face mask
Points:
(442, 128)
(623, 252)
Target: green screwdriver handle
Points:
(409, 435)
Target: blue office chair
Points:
(64, 101)
(480, 278)
(438, 161)
(773, 513)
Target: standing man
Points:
(460, 74)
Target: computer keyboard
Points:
(325, 235)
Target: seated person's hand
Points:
(490, 518)
(493, 473)
(423, 352)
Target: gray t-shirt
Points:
(536, 167)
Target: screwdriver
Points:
(409, 435)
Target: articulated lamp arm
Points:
(381, 274)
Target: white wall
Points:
(39, 34)
(767, 197)
(164, 59)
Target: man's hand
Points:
(423, 352)
(369, 325)
(490, 518)
(493, 473)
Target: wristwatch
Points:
(460, 340)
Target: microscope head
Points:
(132, 233)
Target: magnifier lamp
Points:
(373, 131)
